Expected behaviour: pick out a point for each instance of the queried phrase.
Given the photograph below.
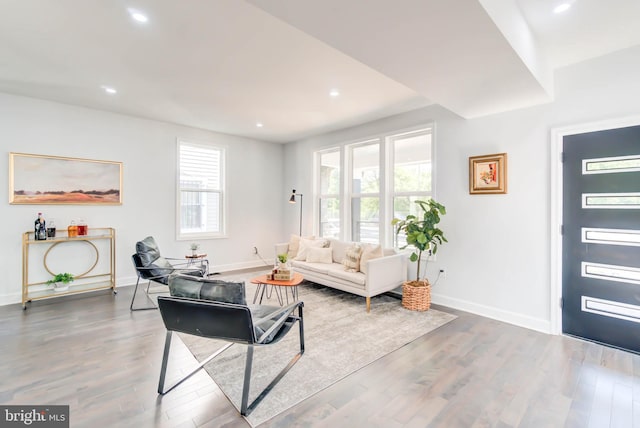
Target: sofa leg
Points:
(368, 304)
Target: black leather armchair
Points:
(232, 321)
(152, 267)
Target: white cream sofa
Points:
(383, 274)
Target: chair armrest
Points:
(386, 273)
(169, 271)
(182, 262)
(283, 314)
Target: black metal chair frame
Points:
(140, 272)
(202, 318)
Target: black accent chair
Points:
(152, 267)
(230, 320)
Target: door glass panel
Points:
(592, 235)
(610, 308)
(627, 274)
(611, 200)
(611, 165)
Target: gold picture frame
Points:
(488, 174)
(57, 180)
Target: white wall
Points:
(497, 259)
(148, 151)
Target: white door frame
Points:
(555, 248)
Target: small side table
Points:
(193, 258)
(292, 285)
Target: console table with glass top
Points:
(93, 255)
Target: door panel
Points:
(601, 237)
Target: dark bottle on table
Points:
(40, 228)
(51, 229)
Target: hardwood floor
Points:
(91, 353)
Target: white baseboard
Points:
(10, 299)
(537, 324)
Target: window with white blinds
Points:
(200, 190)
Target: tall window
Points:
(365, 192)
(200, 190)
(384, 176)
(329, 193)
(411, 173)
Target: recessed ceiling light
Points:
(137, 15)
(334, 93)
(563, 7)
(109, 90)
(259, 125)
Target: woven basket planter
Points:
(416, 298)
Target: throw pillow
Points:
(319, 255)
(294, 245)
(305, 244)
(339, 249)
(351, 261)
(369, 252)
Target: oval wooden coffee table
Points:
(291, 284)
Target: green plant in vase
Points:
(282, 259)
(61, 281)
(194, 248)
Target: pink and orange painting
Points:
(39, 179)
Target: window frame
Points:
(386, 193)
(351, 194)
(392, 194)
(182, 236)
(318, 189)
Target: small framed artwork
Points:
(40, 179)
(488, 174)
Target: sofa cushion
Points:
(314, 267)
(319, 255)
(369, 252)
(351, 260)
(358, 278)
(305, 244)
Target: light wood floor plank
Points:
(92, 353)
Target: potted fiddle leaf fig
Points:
(61, 281)
(423, 234)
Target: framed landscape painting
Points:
(488, 174)
(39, 179)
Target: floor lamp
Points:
(292, 200)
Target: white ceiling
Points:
(225, 65)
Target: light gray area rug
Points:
(340, 338)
